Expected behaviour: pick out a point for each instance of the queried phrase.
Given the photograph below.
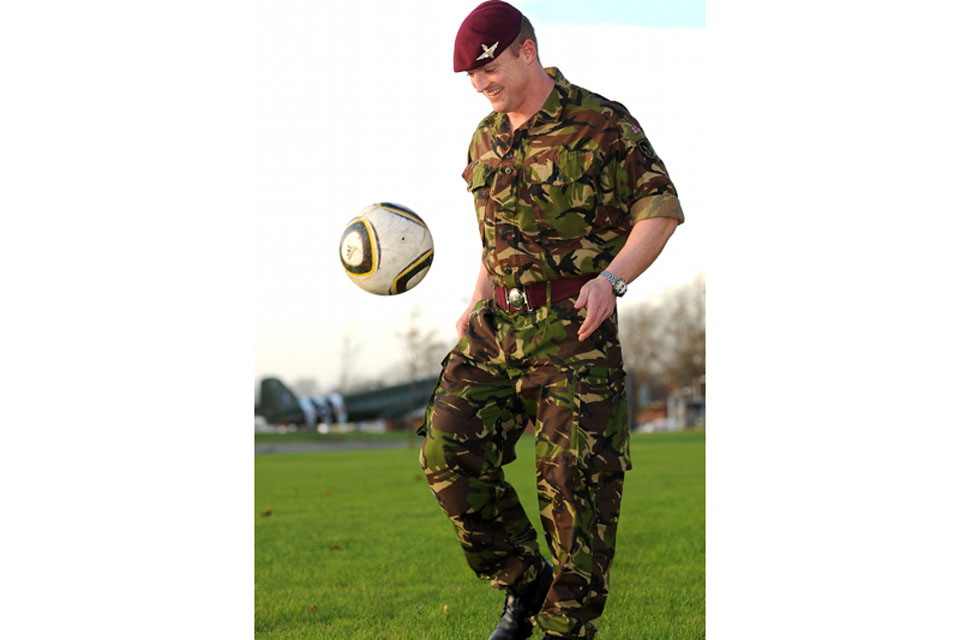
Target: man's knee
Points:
(433, 454)
(447, 450)
(440, 449)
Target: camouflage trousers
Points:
(511, 368)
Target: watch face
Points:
(618, 284)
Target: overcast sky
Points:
(380, 116)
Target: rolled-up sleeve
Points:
(643, 186)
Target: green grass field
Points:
(330, 438)
(355, 546)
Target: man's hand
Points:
(644, 244)
(597, 296)
(482, 290)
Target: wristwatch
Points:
(619, 284)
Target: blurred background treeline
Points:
(663, 338)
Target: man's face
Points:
(503, 81)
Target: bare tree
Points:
(348, 355)
(306, 387)
(643, 339)
(665, 340)
(423, 350)
(685, 314)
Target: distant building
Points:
(656, 406)
(687, 408)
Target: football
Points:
(386, 249)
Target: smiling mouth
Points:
(495, 92)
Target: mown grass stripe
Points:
(355, 546)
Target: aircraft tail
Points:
(278, 404)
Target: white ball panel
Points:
(400, 243)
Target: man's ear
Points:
(529, 51)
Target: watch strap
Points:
(619, 284)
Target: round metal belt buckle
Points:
(516, 298)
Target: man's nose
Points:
(479, 83)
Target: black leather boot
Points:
(519, 607)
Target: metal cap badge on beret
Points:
(485, 34)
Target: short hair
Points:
(526, 33)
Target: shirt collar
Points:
(552, 106)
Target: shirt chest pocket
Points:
(479, 178)
(559, 195)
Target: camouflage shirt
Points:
(557, 197)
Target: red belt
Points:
(535, 295)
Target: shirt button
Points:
(508, 170)
(507, 270)
(503, 232)
(509, 154)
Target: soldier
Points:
(572, 204)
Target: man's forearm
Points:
(644, 244)
(483, 288)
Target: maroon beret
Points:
(485, 34)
